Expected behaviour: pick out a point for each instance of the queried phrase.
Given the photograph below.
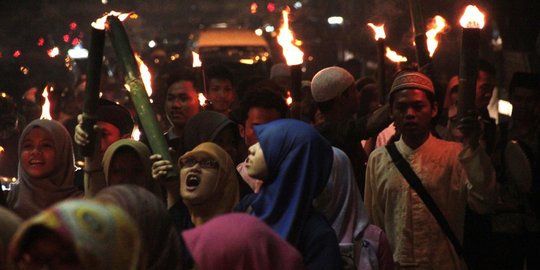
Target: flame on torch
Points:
(196, 60)
(394, 56)
(379, 31)
(100, 23)
(472, 18)
(2, 150)
(136, 133)
(437, 25)
(202, 100)
(145, 75)
(289, 99)
(46, 108)
(293, 55)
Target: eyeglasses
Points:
(205, 163)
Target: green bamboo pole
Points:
(147, 116)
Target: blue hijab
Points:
(299, 161)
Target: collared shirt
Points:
(453, 176)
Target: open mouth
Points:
(192, 182)
(36, 162)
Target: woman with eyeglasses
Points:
(208, 183)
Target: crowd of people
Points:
(343, 178)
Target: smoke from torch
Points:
(293, 55)
(437, 25)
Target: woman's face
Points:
(198, 178)
(126, 168)
(38, 153)
(255, 163)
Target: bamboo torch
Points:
(472, 22)
(380, 36)
(422, 54)
(137, 91)
(293, 55)
(93, 78)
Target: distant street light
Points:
(335, 20)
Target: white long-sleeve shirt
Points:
(453, 176)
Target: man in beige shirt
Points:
(454, 174)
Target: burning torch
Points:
(422, 54)
(380, 35)
(472, 22)
(139, 96)
(293, 55)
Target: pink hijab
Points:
(31, 196)
(240, 241)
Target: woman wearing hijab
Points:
(363, 246)
(9, 222)
(208, 183)
(127, 161)
(45, 170)
(294, 163)
(240, 241)
(161, 243)
(78, 234)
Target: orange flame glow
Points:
(472, 18)
(136, 133)
(437, 25)
(46, 108)
(2, 150)
(100, 23)
(289, 99)
(379, 31)
(145, 75)
(394, 57)
(293, 55)
(202, 99)
(196, 60)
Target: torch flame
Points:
(100, 23)
(394, 57)
(202, 100)
(46, 108)
(437, 25)
(472, 18)
(2, 150)
(196, 60)
(293, 55)
(289, 99)
(136, 133)
(145, 74)
(379, 31)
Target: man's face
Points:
(525, 104)
(198, 178)
(221, 94)
(109, 134)
(256, 116)
(484, 89)
(412, 112)
(350, 100)
(181, 103)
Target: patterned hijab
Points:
(341, 202)
(33, 195)
(103, 235)
(240, 241)
(161, 242)
(299, 161)
(226, 194)
(143, 153)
